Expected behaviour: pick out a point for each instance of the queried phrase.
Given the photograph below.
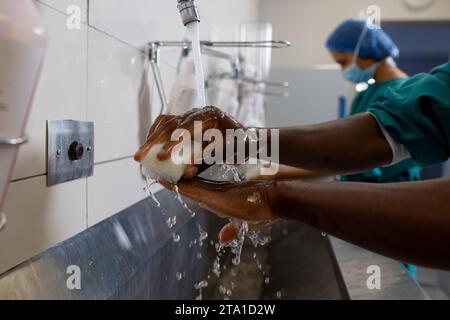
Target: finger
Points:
(157, 136)
(226, 198)
(166, 150)
(209, 194)
(253, 226)
(190, 172)
(203, 188)
(188, 125)
(227, 234)
(142, 152)
(198, 166)
(199, 184)
(230, 232)
(186, 131)
(200, 119)
(163, 127)
(167, 124)
(160, 120)
(200, 163)
(197, 190)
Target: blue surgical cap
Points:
(376, 44)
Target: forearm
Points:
(292, 173)
(285, 173)
(409, 222)
(351, 145)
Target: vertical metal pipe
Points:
(153, 57)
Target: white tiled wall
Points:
(115, 78)
(99, 74)
(107, 196)
(64, 5)
(39, 217)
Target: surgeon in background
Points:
(366, 56)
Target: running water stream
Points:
(194, 33)
(242, 227)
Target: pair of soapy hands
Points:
(247, 200)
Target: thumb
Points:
(227, 234)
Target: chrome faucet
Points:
(188, 11)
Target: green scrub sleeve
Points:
(417, 115)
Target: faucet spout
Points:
(188, 11)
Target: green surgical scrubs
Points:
(406, 170)
(417, 115)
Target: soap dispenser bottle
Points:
(22, 44)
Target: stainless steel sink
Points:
(133, 255)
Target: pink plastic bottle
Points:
(22, 45)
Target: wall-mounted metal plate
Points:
(70, 150)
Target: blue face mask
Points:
(354, 73)
(357, 75)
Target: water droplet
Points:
(216, 267)
(222, 290)
(199, 286)
(259, 265)
(202, 235)
(179, 276)
(256, 239)
(151, 182)
(202, 284)
(182, 202)
(279, 294)
(175, 237)
(266, 280)
(171, 222)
